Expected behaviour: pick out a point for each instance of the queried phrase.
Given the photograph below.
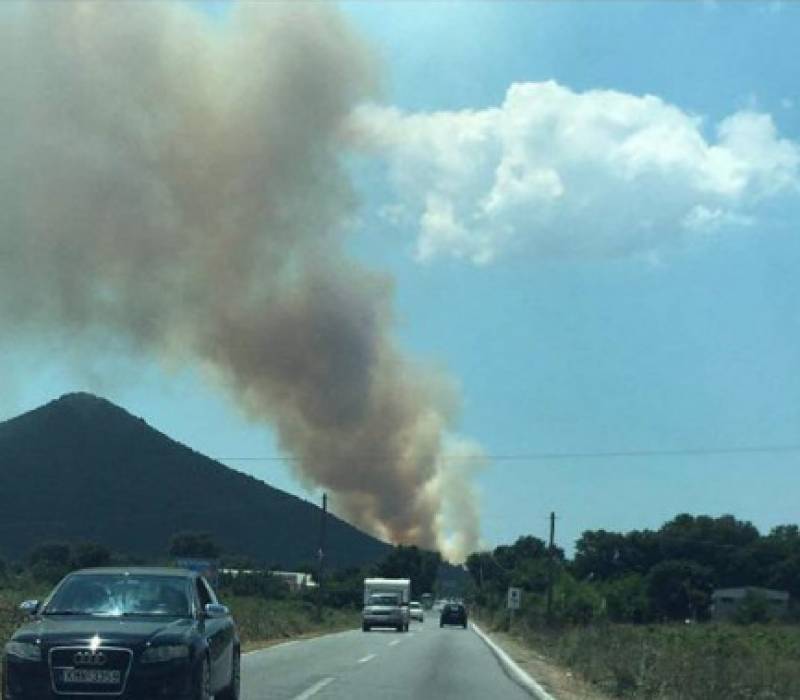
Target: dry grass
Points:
(676, 662)
(262, 621)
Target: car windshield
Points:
(120, 595)
(383, 600)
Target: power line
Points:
(540, 456)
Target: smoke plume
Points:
(175, 181)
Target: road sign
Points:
(514, 598)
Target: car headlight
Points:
(167, 652)
(24, 650)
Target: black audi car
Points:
(453, 614)
(141, 633)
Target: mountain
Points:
(83, 469)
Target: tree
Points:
(528, 547)
(753, 608)
(626, 599)
(523, 564)
(256, 583)
(50, 553)
(421, 566)
(723, 544)
(49, 562)
(199, 545)
(531, 575)
(345, 587)
(599, 555)
(576, 602)
(240, 562)
(679, 590)
(89, 554)
(785, 576)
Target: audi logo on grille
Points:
(90, 658)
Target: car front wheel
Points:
(202, 684)
(233, 690)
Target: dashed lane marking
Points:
(395, 642)
(314, 689)
(369, 657)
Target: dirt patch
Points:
(561, 683)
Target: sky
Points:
(588, 216)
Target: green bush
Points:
(260, 584)
(753, 608)
(626, 599)
(679, 590)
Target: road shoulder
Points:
(554, 681)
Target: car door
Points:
(219, 636)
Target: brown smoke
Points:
(176, 181)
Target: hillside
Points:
(82, 468)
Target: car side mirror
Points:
(29, 607)
(214, 611)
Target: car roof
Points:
(138, 571)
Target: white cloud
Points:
(557, 172)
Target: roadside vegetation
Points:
(670, 661)
(632, 613)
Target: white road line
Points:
(395, 642)
(274, 647)
(367, 658)
(511, 667)
(314, 689)
(308, 640)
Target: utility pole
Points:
(321, 568)
(550, 568)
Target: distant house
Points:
(726, 601)
(296, 580)
(233, 573)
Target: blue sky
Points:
(689, 343)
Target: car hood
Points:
(111, 631)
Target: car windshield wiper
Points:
(66, 612)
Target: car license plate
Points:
(92, 676)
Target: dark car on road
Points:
(453, 614)
(143, 633)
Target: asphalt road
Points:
(427, 662)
